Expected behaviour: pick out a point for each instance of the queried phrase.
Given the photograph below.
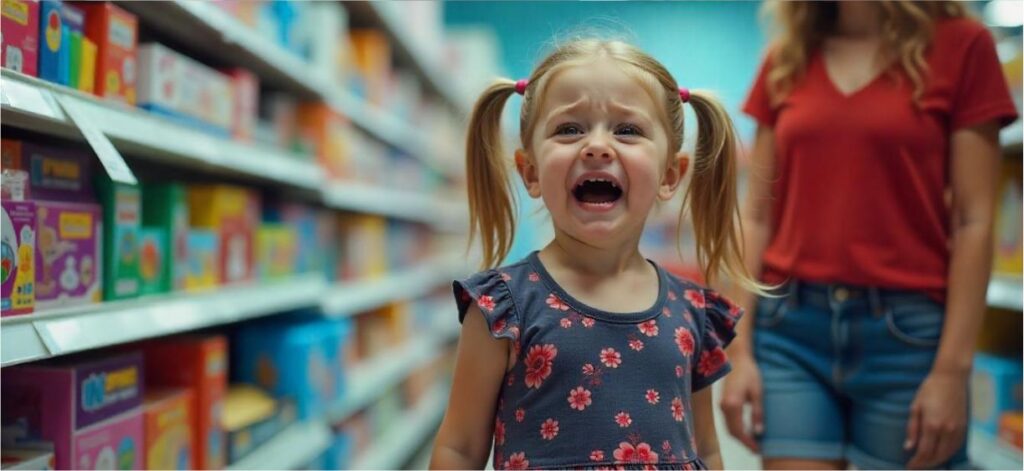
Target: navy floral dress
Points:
(597, 390)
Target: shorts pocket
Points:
(771, 311)
(916, 323)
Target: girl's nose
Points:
(597, 148)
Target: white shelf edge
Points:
(1005, 292)
(291, 448)
(405, 435)
(400, 204)
(986, 451)
(352, 298)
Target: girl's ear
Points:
(673, 176)
(528, 171)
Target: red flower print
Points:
(511, 379)
(711, 361)
(666, 446)
(596, 455)
(677, 409)
(641, 453)
(636, 344)
(649, 328)
(534, 277)
(499, 432)
(566, 323)
(499, 325)
(514, 331)
(538, 364)
(588, 369)
(486, 303)
(549, 429)
(623, 419)
(696, 298)
(672, 296)
(505, 276)
(688, 317)
(611, 358)
(517, 461)
(520, 415)
(665, 311)
(684, 340)
(579, 398)
(556, 303)
(652, 396)
(679, 371)
(588, 322)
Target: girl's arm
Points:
(464, 439)
(938, 416)
(704, 427)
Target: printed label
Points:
(75, 225)
(121, 33)
(16, 10)
(102, 389)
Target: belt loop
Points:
(875, 301)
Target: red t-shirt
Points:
(859, 182)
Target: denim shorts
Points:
(841, 366)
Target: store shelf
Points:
(1005, 292)
(987, 452)
(353, 298)
(405, 435)
(292, 448)
(408, 205)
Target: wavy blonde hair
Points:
(907, 28)
(710, 198)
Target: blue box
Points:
(51, 40)
(299, 357)
(995, 388)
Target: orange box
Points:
(371, 54)
(199, 364)
(326, 131)
(115, 33)
(167, 415)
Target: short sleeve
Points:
(758, 104)
(982, 93)
(490, 292)
(718, 330)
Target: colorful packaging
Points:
(995, 389)
(121, 223)
(51, 39)
(89, 408)
(234, 214)
(246, 89)
(304, 221)
(72, 35)
(364, 247)
(152, 261)
(371, 54)
(1011, 429)
(68, 254)
(275, 251)
(11, 155)
(326, 133)
(18, 250)
(200, 365)
(164, 208)
(87, 70)
(19, 20)
(114, 31)
(203, 260)
(251, 418)
(168, 419)
(172, 85)
(57, 173)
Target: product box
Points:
(38, 458)
(371, 54)
(122, 220)
(364, 247)
(1010, 429)
(88, 407)
(152, 260)
(234, 214)
(73, 35)
(198, 363)
(251, 418)
(246, 88)
(11, 155)
(115, 33)
(275, 251)
(18, 257)
(175, 86)
(294, 358)
(87, 67)
(68, 254)
(326, 133)
(19, 20)
(203, 260)
(995, 389)
(168, 420)
(314, 230)
(51, 39)
(57, 173)
(164, 208)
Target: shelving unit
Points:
(402, 439)
(290, 449)
(352, 298)
(1005, 292)
(987, 452)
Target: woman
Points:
(868, 113)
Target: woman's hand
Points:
(742, 387)
(938, 419)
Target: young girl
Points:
(586, 355)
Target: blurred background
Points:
(230, 228)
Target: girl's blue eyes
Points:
(569, 130)
(576, 130)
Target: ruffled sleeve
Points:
(490, 292)
(718, 329)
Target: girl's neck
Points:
(590, 261)
(858, 20)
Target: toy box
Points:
(18, 250)
(122, 220)
(203, 260)
(114, 31)
(38, 458)
(995, 389)
(1010, 429)
(251, 418)
(363, 247)
(87, 67)
(51, 39)
(58, 174)
(326, 134)
(175, 86)
(168, 439)
(246, 89)
(11, 155)
(152, 260)
(199, 364)
(19, 20)
(68, 254)
(88, 407)
(314, 231)
(296, 358)
(275, 251)
(233, 213)
(164, 208)
(73, 34)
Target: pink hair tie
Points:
(684, 94)
(521, 86)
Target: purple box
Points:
(65, 401)
(68, 254)
(58, 174)
(18, 250)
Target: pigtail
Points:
(491, 207)
(711, 197)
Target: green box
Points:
(122, 220)
(152, 258)
(165, 208)
(76, 59)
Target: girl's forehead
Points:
(603, 83)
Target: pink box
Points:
(114, 444)
(68, 254)
(20, 47)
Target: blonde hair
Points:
(907, 28)
(711, 197)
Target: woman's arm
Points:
(938, 416)
(704, 427)
(464, 439)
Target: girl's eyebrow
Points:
(570, 108)
(630, 111)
